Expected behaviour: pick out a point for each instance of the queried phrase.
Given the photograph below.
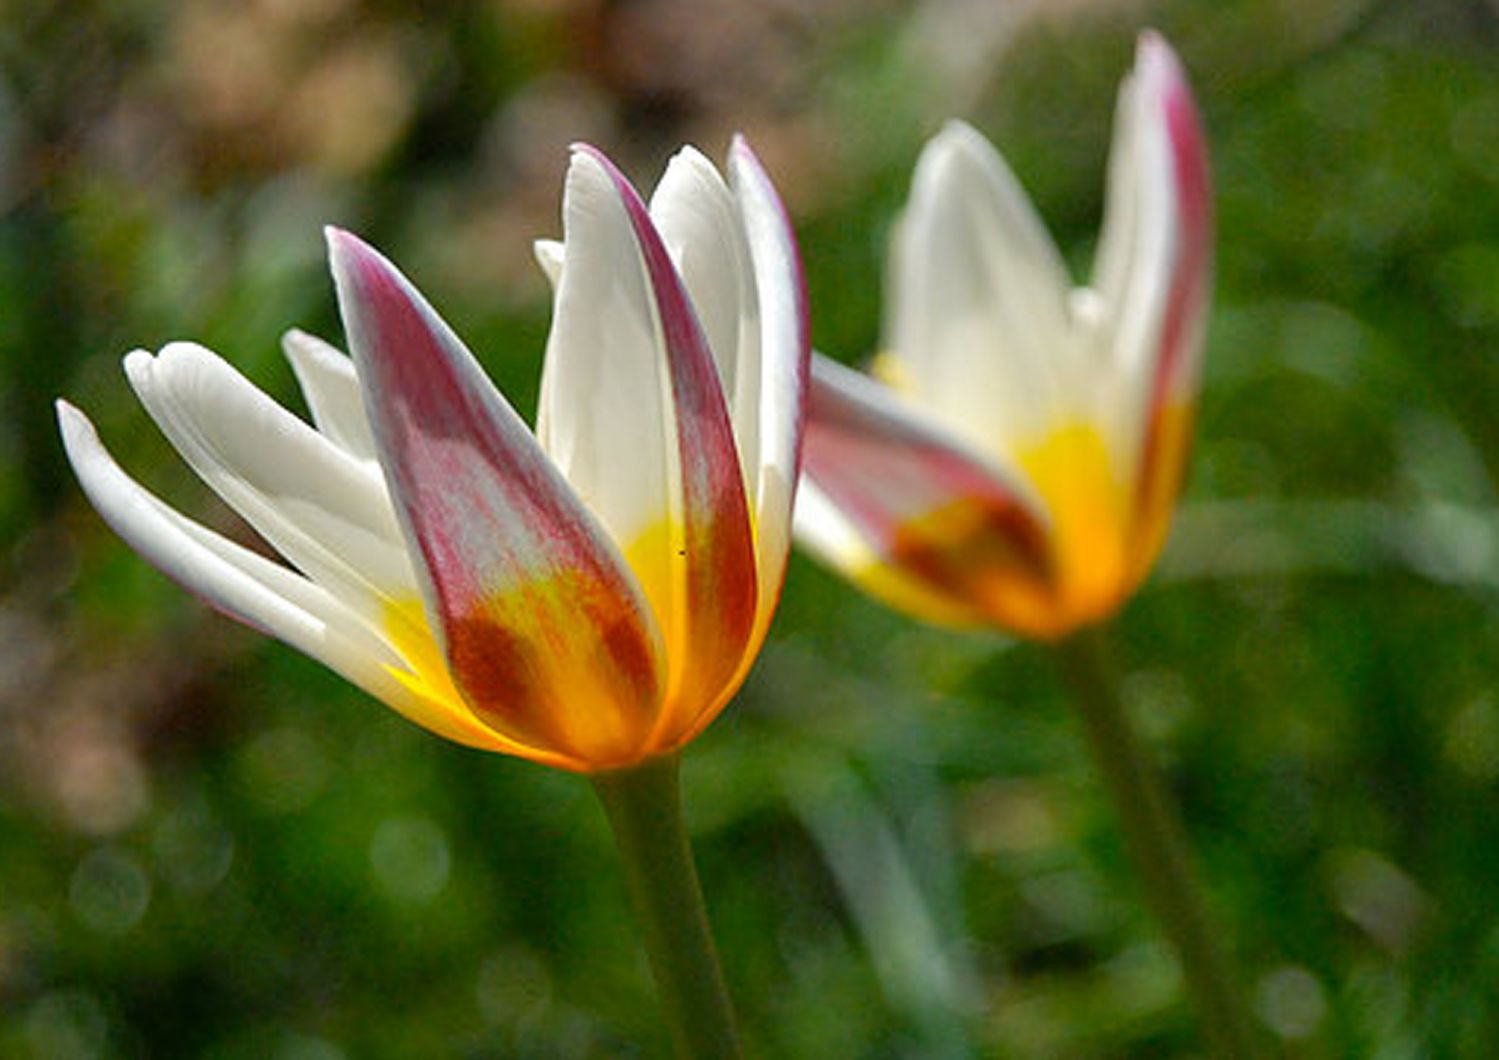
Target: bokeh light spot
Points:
(110, 890)
(410, 858)
(1291, 1002)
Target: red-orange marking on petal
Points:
(534, 608)
(923, 506)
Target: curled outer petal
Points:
(250, 589)
(544, 629)
(324, 510)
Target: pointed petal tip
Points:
(956, 134)
(741, 153)
(610, 168)
(349, 254)
(341, 242)
(956, 140)
(79, 436)
(138, 362)
(581, 149)
(550, 254)
(299, 346)
(1157, 64)
(303, 348)
(69, 418)
(588, 163)
(364, 279)
(745, 162)
(335, 239)
(688, 153)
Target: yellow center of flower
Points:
(960, 565)
(567, 697)
(963, 563)
(406, 628)
(649, 555)
(1105, 530)
(1092, 514)
(1166, 465)
(705, 648)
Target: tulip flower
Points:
(588, 597)
(1016, 462)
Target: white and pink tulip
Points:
(588, 596)
(1016, 459)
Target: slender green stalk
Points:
(644, 807)
(1153, 834)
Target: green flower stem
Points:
(644, 807)
(1154, 837)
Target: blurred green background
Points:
(210, 847)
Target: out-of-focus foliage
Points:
(210, 847)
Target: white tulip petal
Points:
(331, 387)
(978, 319)
(1179, 140)
(698, 219)
(549, 255)
(1154, 258)
(778, 397)
(604, 415)
(324, 510)
(611, 386)
(247, 587)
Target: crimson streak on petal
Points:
(546, 635)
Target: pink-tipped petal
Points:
(924, 507)
(1175, 362)
(1169, 99)
(545, 632)
(714, 577)
(784, 363)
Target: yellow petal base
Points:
(952, 567)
